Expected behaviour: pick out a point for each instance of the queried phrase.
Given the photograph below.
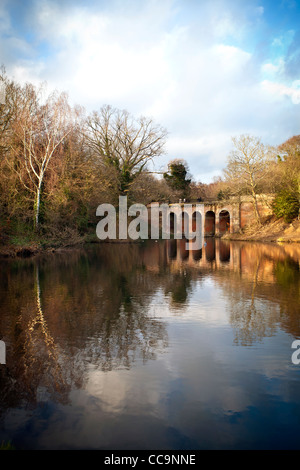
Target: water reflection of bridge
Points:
(214, 253)
(244, 258)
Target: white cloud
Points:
(273, 69)
(152, 60)
(280, 91)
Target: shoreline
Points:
(10, 251)
(273, 231)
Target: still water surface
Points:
(150, 346)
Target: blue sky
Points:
(207, 70)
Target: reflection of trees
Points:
(287, 274)
(72, 309)
(259, 281)
(40, 352)
(33, 368)
(178, 288)
(106, 308)
(251, 318)
(93, 307)
(264, 294)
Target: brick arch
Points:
(172, 221)
(225, 220)
(196, 215)
(209, 223)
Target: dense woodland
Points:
(58, 163)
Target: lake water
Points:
(152, 346)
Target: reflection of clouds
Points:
(205, 303)
(139, 365)
(112, 389)
(120, 391)
(224, 385)
(226, 380)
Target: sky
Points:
(206, 70)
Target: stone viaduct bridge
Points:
(220, 217)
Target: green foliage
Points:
(286, 204)
(22, 233)
(126, 178)
(6, 446)
(176, 177)
(223, 194)
(82, 217)
(220, 195)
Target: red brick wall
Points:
(247, 212)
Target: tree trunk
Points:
(38, 203)
(255, 206)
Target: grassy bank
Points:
(274, 230)
(26, 242)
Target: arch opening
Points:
(172, 221)
(198, 229)
(196, 221)
(178, 223)
(210, 224)
(224, 222)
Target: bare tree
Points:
(10, 98)
(38, 131)
(289, 162)
(247, 167)
(124, 143)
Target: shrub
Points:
(286, 204)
